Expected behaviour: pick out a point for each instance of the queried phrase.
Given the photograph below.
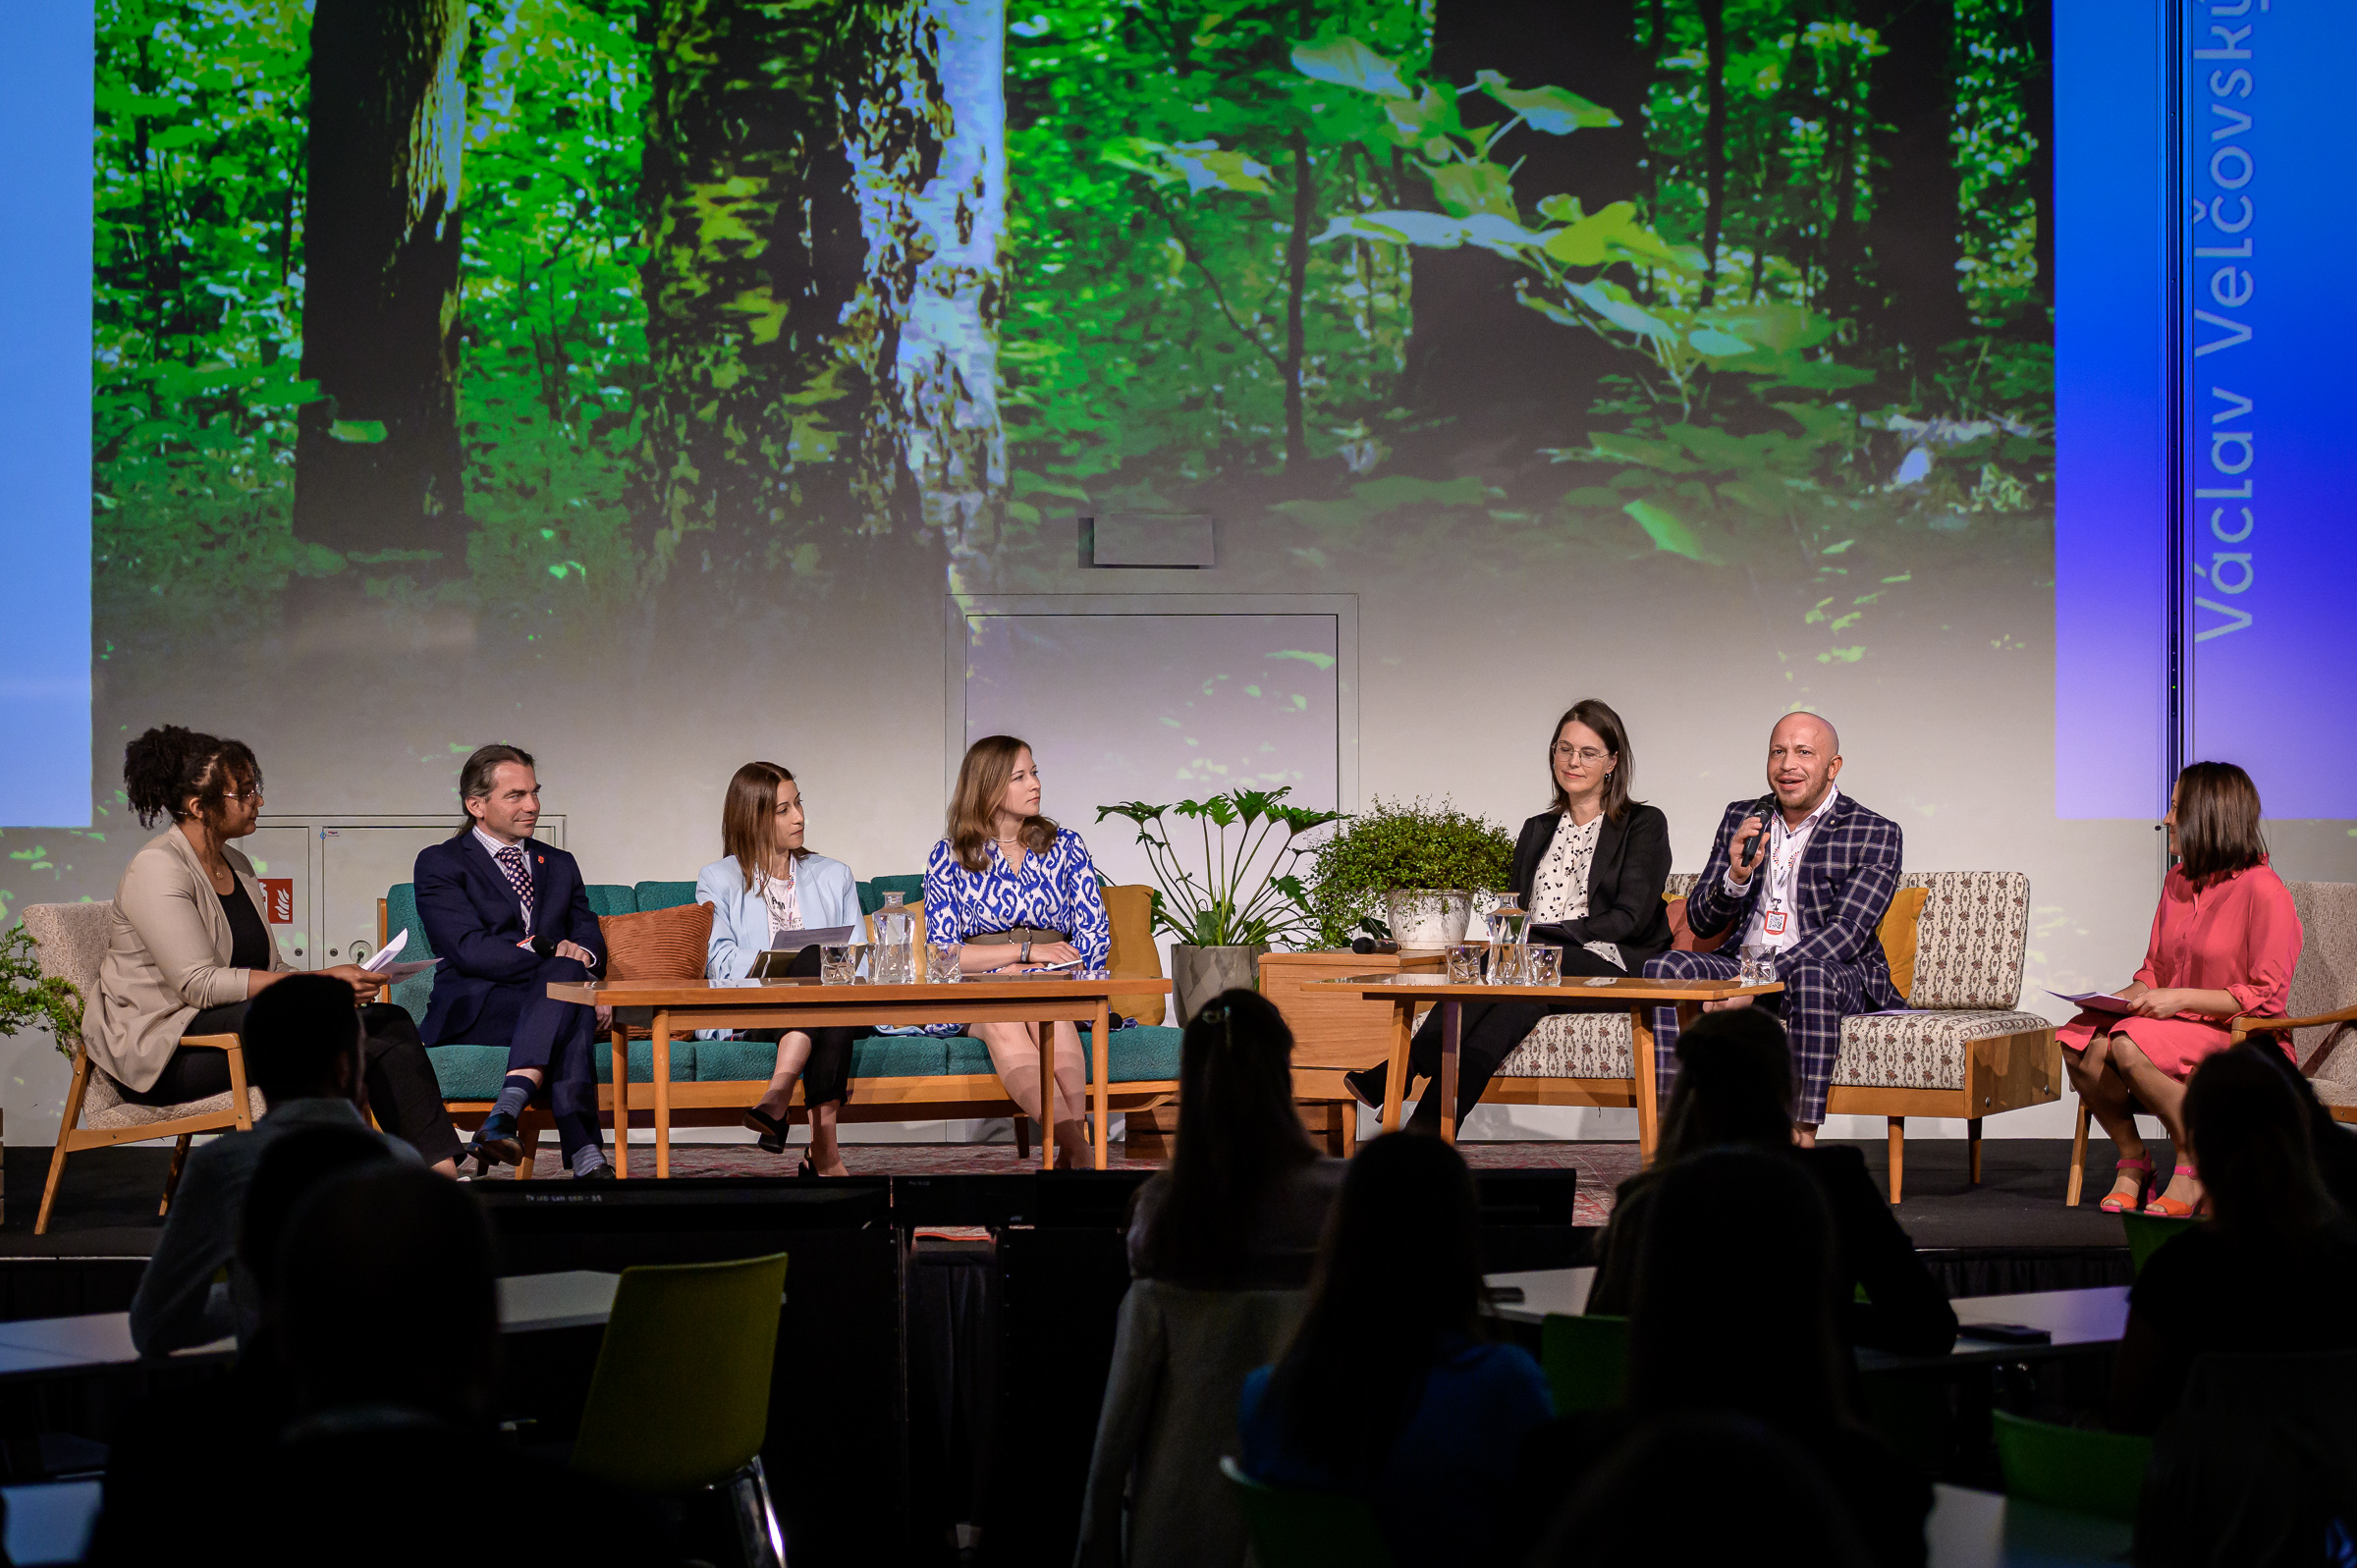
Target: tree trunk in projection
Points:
(2038, 103)
(1714, 142)
(1912, 298)
(1473, 346)
(378, 465)
(948, 221)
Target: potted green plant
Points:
(1406, 871)
(1226, 901)
(32, 999)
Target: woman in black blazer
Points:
(1590, 869)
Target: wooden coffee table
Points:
(1408, 993)
(674, 1007)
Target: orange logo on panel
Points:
(278, 898)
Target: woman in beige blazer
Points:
(189, 946)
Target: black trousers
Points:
(1487, 1033)
(395, 1069)
(559, 1038)
(827, 1075)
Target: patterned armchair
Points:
(1965, 1049)
(69, 939)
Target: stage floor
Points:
(106, 1208)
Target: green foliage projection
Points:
(1214, 221)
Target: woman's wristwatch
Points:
(1023, 953)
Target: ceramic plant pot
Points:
(1429, 917)
(1198, 974)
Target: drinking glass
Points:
(1465, 963)
(1543, 965)
(1508, 963)
(1756, 966)
(838, 963)
(942, 963)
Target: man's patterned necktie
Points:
(519, 877)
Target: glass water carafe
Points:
(893, 960)
(1510, 927)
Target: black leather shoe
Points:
(1366, 1087)
(494, 1143)
(602, 1172)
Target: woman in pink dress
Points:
(2225, 940)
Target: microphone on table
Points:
(1362, 946)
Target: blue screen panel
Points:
(45, 117)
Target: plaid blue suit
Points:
(1836, 968)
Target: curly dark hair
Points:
(168, 765)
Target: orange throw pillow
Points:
(1898, 934)
(657, 944)
(1681, 935)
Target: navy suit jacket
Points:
(1841, 888)
(473, 922)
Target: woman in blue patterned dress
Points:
(1020, 893)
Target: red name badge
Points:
(278, 899)
(1773, 925)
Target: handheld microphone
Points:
(1764, 809)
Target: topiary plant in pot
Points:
(1406, 871)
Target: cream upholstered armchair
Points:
(68, 939)
(1964, 1048)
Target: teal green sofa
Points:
(894, 1077)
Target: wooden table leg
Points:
(1047, 1096)
(622, 1103)
(1101, 1050)
(1394, 1083)
(662, 1095)
(1641, 1071)
(1451, 1012)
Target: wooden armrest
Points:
(2239, 1028)
(212, 1041)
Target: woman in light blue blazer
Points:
(766, 886)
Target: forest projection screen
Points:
(584, 338)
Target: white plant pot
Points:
(1434, 917)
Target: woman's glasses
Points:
(1587, 754)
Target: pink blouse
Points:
(2239, 935)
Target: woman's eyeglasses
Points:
(1587, 754)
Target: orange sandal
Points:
(2169, 1207)
(2120, 1204)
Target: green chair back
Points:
(912, 889)
(609, 899)
(652, 895)
(681, 1395)
(401, 914)
(1307, 1529)
(2065, 1467)
(2148, 1233)
(1586, 1358)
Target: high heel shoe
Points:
(2124, 1202)
(771, 1128)
(2168, 1208)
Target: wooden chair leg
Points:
(1972, 1148)
(1899, 1154)
(2078, 1161)
(528, 1133)
(1022, 1136)
(180, 1160)
(67, 1125)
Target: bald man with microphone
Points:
(1803, 874)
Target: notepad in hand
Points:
(2097, 1000)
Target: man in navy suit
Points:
(1808, 881)
(508, 915)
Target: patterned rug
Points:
(1601, 1165)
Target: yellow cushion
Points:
(1898, 935)
(1131, 912)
